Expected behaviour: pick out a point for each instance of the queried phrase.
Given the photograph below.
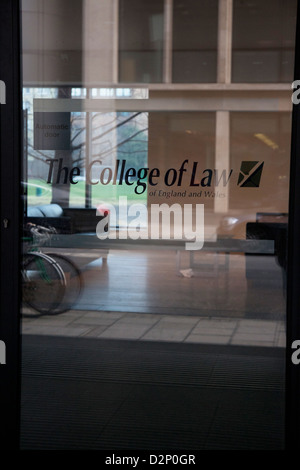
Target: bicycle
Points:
(51, 282)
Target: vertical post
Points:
(88, 150)
(222, 157)
(24, 189)
(10, 220)
(292, 410)
(168, 41)
(115, 65)
(224, 41)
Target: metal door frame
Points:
(10, 162)
(10, 210)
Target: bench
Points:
(68, 222)
(64, 220)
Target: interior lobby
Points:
(139, 118)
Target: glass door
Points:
(155, 183)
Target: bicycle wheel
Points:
(44, 283)
(74, 281)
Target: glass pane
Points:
(263, 41)
(140, 40)
(195, 32)
(263, 141)
(117, 138)
(266, 135)
(45, 177)
(155, 225)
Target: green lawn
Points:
(39, 192)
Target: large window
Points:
(158, 158)
(263, 40)
(263, 137)
(140, 41)
(195, 26)
(99, 143)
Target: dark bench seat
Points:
(66, 221)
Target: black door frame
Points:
(10, 162)
(10, 224)
(293, 271)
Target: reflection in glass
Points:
(263, 137)
(140, 41)
(165, 347)
(195, 41)
(263, 41)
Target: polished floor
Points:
(149, 282)
(143, 296)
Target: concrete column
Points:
(222, 160)
(52, 42)
(115, 26)
(224, 41)
(168, 46)
(100, 42)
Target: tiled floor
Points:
(169, 328)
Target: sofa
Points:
(49, 215)
(69, 221)
(64, 220)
